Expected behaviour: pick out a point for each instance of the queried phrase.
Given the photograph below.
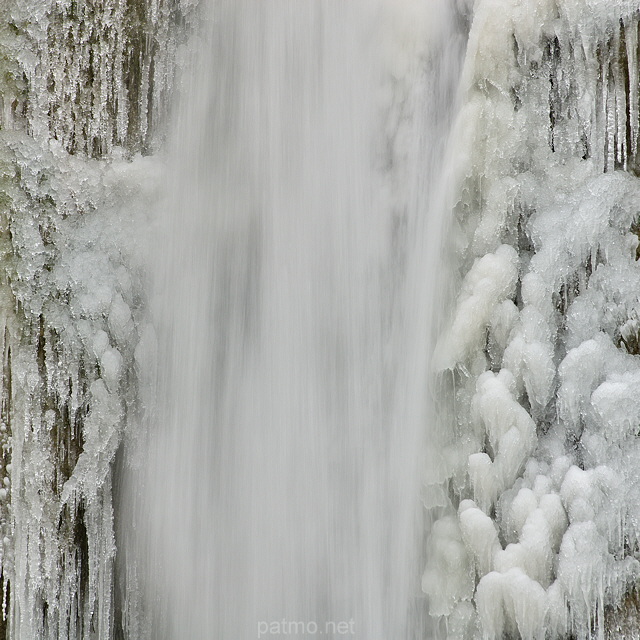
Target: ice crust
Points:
(539, 369)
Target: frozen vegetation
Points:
(539, 370)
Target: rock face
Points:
(85, 87)
(623, 622)
(539, 367)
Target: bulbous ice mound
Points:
(541, 378)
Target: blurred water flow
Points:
(298, 272)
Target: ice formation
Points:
(83, 93)
(533, 483)
(539, 371)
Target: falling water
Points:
(296, 273)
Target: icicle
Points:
(620, 97)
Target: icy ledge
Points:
(537, 489)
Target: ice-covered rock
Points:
(543, 347)
(84, 88)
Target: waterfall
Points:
(300, 229)
(319, 318)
